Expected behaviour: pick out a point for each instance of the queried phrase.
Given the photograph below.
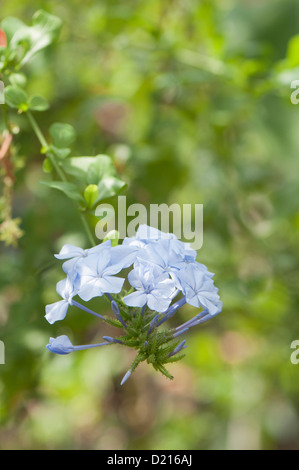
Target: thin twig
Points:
(7, 139)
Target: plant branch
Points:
(44, 144)
(42, 140)
(87, 229)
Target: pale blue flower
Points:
(163, 254)
(184, 250)
(153, 288)
(163, 266)
(97, 276)
(134, 243)
(60, 345)
(75, 255)
(122, 256)
(98, 261)
(63, 345)
(199, 289)
(58, 310)
(146, 234)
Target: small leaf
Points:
(38, 103)
(98, 170)
(109, 187)
(15, 97)
(101, 167)
(63, 135)
(11, 25)
(18, 79)
(91, 195)
(102, 172)
(77, 167)
(43, 32)
(69, 189)
(60, 153)
(47, 166)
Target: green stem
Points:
(37, 130)
(87, 229)
(45, 145)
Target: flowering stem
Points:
(87, 229)
(82, 307)
(89, 346)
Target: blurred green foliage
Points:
(192, 101)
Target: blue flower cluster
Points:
(164, 276)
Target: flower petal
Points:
(56, 311)
(136, 299)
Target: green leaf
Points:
(63, 135)
(47, 166)
(60, 153)
(69, 189)
(101, 167)
(109, 187)
(38, 103)
(91, 195)
(43, 32)
(102, 172)
(15, 97)
(77, 167)
(11, 25)
(18, 79)
(98, 170)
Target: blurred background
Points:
(191, 98)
